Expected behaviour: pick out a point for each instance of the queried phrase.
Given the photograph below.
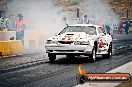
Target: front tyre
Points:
(52, 57)
(70, 56)
(92, 56)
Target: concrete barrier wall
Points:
(6, 35)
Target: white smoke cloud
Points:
(44, 16)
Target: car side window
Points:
(100, 30)
(90, 30)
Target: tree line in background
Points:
(122, 7)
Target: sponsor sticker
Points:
(105, 77)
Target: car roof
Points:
(85, 25)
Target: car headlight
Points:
(81, 42)
(51, 42)
(85, 43)
(77, 42)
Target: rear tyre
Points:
(92, 57)
(52, 57)
(108, 56)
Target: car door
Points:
(103, 39)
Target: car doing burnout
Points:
(80, 39)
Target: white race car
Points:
(80, 39)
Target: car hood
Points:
(72, 36)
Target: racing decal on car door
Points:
(102, 42)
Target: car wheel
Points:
(92, 56)
(108, 56)
(52, 57)
(70, 56)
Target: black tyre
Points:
(70, 56)
(52, 57)
(108, 56)
(92, 56)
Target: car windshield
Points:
(91, 30)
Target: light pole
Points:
(128, 6)
(126, 9)
(127, 14)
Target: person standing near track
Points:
(101, 23)
(78, 12)
(107, 25)
(120, 28)
(11, 23)
(20, 26)
(127, 24)
(86, 21)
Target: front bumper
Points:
(68, 49)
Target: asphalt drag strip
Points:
(61, 73)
